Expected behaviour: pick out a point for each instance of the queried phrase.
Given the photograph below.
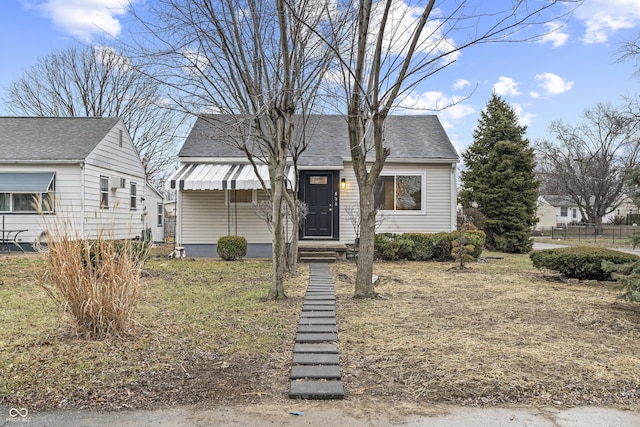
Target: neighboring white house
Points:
(218, 190)
(559, 211)
(556, 211)
(154, 213)
(82, 171)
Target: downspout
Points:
(82, 201)
(454, 197)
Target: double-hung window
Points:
(133, 193)
(400, 192)
(240, 197)
(160, 214)
(104, 192)
(563, 211)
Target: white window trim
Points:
(133, 196)
(423, 187)
(254, 199)
(100, 192)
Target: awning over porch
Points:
(223, 177)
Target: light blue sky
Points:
(572, 69)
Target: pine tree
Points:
(499, 178)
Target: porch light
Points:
(343, 183)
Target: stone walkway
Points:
(315, 370)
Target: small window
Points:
(563, 211)
(104, 192)
(574, 213)
(160, 214)
(318, 180)
(399, 193)
(133, 203)
(240, 196)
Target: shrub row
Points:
(425, 246)
(583, 263)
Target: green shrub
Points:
(442, 246)
(584, 263)
(232, 247)
(628, 276)
(386, 247)
(424, 246)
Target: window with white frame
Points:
(240, 197)
(400, 192)
(27, 202)
(133, 193)
(563, 211)
(160, 214)
(104, 192)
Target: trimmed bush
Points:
(424, 246)
(232, 247)
(583, 263)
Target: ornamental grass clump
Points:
(96, 281)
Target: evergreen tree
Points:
(499, 178)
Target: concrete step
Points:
(316, 390)
(316, 372)
(316, 359)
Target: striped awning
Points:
(222, 177)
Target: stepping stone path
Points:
(315, 370)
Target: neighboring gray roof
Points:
(409, 137)
(559, 201)
(51, 138)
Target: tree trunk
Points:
(278, 241)
(292, 261)
(364, 283)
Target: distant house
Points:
(218, 190)
(557, 211)
(84, 170)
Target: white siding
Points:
(67, 199)
(204, 217)
(439, 197)
(150, 209)
(111, 159)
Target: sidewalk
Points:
(330, 413)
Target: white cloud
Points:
(506, 86)
(400, 27)
(602, 18)
(553, 84)
(461, 84)
(82, 18)
(555, 35)
(524, 119)
(448, 108)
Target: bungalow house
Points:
(218, 192)
(560, 211)
(85, 171)
(556, 211)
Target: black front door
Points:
(318, 194)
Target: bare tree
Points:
(260, 68)
(99, 82)
(588, 161)
(393, 46)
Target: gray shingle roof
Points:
(559, 201)
(51, 138)
(413, 138)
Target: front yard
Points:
(498, 333)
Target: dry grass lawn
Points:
(500, 332)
